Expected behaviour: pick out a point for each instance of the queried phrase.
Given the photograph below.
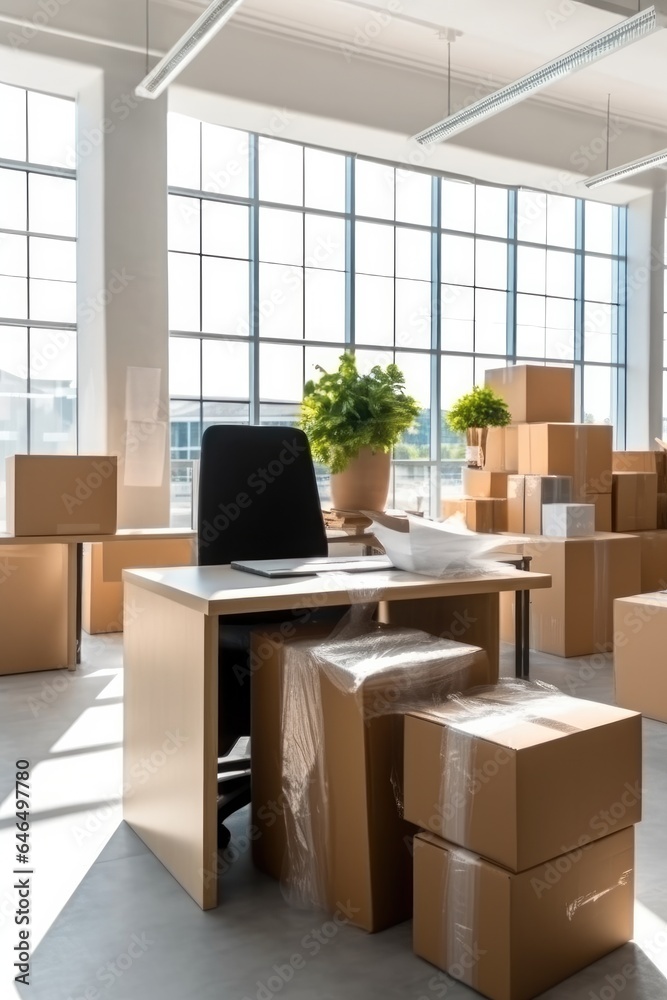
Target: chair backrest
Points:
(258, 496)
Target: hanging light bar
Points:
(187, 47)
(628, 170)
(631, 30)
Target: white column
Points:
(646, 305)
(123, 321)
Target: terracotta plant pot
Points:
(364, 484)
(476, 446)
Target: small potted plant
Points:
(472, 415)
(353, 421)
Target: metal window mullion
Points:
(512, 265)
(255, 411)
(350, 254)
(579, 305)
(620, 325)
(436, 341)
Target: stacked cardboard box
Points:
(575, 616)
(509, 846)
(61, 494)
(102, 575)
(487, 515)
(527, 495)
(544, 441)
(640, 636)
(653, 557)
(635, 501)
(328, 745)
(502, 449)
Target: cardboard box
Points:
(653, 548)
(61, 494)
(662, 510)
(522, 779)
(502, 449)
(642, 461)
(103, 565)
(480, 484)
(348, 759)
(511, 937)
(35, 585)
(484, 515)
(516, 516)
(568, 520)
(582, 451)
(575, 616)
(635, 501)
(602, 503)
(535, 393)
(640, 638)
(526, 495)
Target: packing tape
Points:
(592, 897)
(460, 913)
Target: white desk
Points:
(171, 681)
(67, 581)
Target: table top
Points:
(219, 590)
(122, 535)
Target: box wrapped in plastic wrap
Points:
(511, 936)
(520, 773)
(328, 748)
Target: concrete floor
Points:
(110, 923)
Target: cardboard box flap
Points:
(518, 715)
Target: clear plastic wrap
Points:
(342, 754)
(485, 713)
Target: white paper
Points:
(142, 393)
(438, 549)
(145, 452)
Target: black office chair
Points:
(258, 499)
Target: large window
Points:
(282, 256)
(37, 276)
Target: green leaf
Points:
(344, 411)
(480, 408)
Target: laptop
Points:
(309, 567)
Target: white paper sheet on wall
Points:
(145, 452)
(142, 393)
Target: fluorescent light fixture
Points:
(631, 30)
(187, 47)
(628, 169)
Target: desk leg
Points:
(171, 737)
(524, 597)
(518, 634)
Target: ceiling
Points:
(500, 41)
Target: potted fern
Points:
(472, 415)
(353, 421)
